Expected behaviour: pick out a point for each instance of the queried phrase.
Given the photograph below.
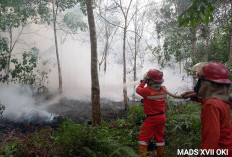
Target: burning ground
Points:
(81, 111)
(78, 111)
(23, 107)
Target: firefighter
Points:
(154, 99)
(212, 89)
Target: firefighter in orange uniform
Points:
(154, 107)
(212, 90)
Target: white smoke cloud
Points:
(20, 105)
(75, 61)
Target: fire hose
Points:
(178, 96)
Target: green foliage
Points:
(167, 11)
(74, 22)
(215, 44)
(135, 114)
(66, 4)
(4, 52)
(84, 140)
(218, 50)
(2, 108)
(176, 47)
(183, 126)
(124, 152)
(39, 143)
(177, 42)
(114, 139)
(10, 150)
(229, 67)
(24, 70)
(15, 13)
(200, 10)
(219, 47)
(209, 43)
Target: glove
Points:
(185, 94)
(145, 78)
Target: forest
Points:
(69, 71)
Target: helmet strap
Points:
(198, 86)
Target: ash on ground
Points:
(81, 111)
(78, 111)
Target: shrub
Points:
(83, 140)
(2, 108)
(183, 127)
(117, 138)
(135, 114)
(38, 143)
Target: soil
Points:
(78, 111)
(81, 111)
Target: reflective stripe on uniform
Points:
(160, 144)
(157, 96)
(142, 143)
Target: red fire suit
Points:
(216, 129)
(154, 103)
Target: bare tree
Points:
(59, 6)
(95, 89)
(139, 24)
(125, 13)
(124, 7)
(223, 17)
(12, 44)
(108, 31)
(193, 32)
(54, 13)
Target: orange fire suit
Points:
(154, 108)
(216, 129)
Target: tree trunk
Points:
(106, 49)
(207, 48)
(207, 42)
(56, 45)
(105, 62)
(230, 60)
(135, 68)
(136, 49)
(95, 90)
(193, 59)
(124, 70)
(193, 46)
(7, 71)
(193, 51)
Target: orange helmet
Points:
(155, 75)
(215, 72)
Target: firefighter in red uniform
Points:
(212, 90)
(154, 107)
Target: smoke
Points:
(75, 61)
(174, 80)
(21, 106)
(75, 64)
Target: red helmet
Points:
(155, 75)
(215, 72)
